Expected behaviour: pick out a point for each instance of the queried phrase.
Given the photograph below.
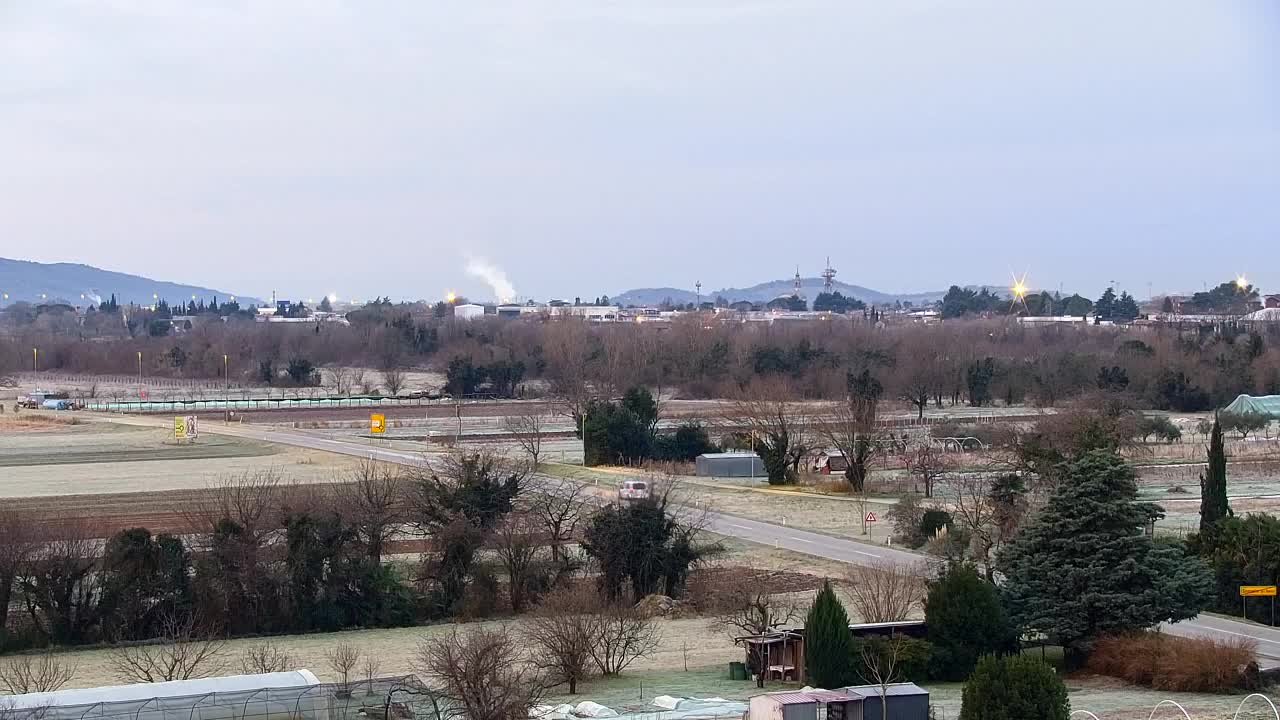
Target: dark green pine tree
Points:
(1213, 484)
(1105, 308)
(1126, 307)
(966, 621)
(1086, 567)
(1014, 688)
(828, 644)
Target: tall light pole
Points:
(35, 359)
(226, 393)
(139, 374)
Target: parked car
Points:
(633, 490)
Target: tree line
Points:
(978, 362)
(260, 557)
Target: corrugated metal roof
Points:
(805, 697)
(896, 689)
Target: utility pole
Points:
(139, 374)
(226, 391)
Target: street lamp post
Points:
(226, 393)
(139, 375)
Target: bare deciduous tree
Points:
(517, 543)
(265, 657)
(374, 499)
(885, 591)
(393, 379)
(750, 612)
(17, 543)
(340, 379)
(562, 630)
(481, 674)
(369, 669)
(854, 440)
(184, 653)
(882, 660)
(926, 464)
(529, 430)
(560, 506)
(624, 634)
(342, 660)
(35, 673)
(972, 510)
(777, 425)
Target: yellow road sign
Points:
(377, 423)
(1258, 590)
(179, 428)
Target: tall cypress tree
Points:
(1213, 483)
(828, 644)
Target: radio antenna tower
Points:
(698, 286)
(828, 276)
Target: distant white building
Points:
(468, 311)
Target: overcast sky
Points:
(375, 146)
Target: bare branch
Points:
(885, 591)
(183, 654)
(35, 673)
(265, 657)
(481, 674)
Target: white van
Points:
(633, 490)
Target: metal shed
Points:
(905, 701)
(807, 705)
(730, 464)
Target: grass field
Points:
(95, 458)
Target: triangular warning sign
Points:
(871, 516)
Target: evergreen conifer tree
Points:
(1213, 483)
(828, 644)
(1086, 565)
(965, 621)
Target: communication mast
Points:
(698, 287)
(828, 276)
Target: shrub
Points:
(1171, 663)
(933, 520)
(1014, 687)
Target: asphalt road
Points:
(790, 538)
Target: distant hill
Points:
(24, 280)
(769, 290)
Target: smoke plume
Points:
(503, 290)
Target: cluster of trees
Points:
(959, 302)
(837, 303)
(1239, 550)
(498, 378)
(979, 362)
(260, 557)
(625, 432)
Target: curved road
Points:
(790, 538)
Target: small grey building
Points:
(905, 701)
(807, 705)
(730, 464)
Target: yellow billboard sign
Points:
(1257, 590)
(377, 423)
(185, 427)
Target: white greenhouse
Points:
(295, 695)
